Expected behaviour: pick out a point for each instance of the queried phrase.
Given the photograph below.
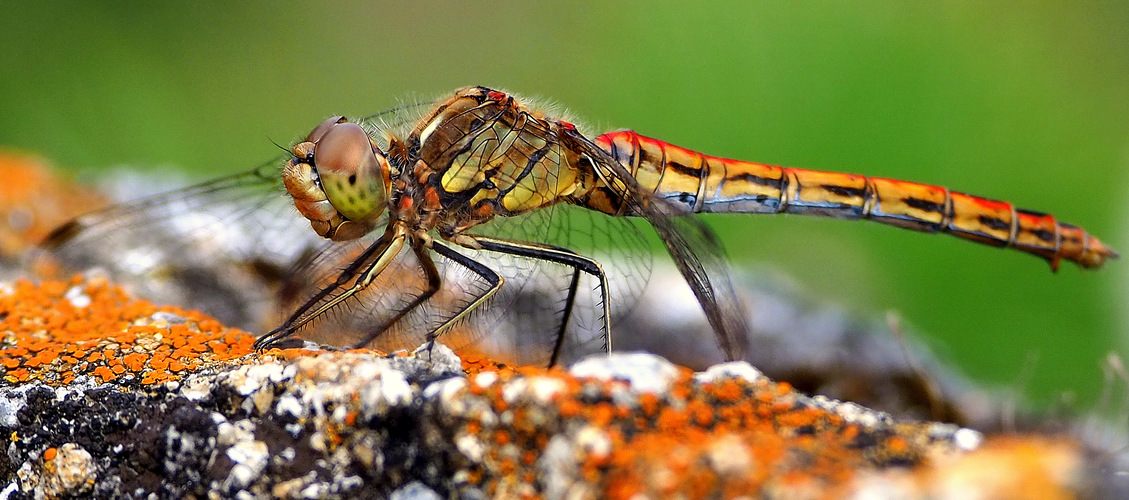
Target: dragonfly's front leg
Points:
(360, 274)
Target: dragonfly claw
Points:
(268, 340)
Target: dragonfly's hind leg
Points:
(476, 267)
(564, 257)
(573, 286)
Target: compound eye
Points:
(351, 171)
(319, 131)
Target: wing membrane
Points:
(217, 246)
(692, 245)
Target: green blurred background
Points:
(1026, 103)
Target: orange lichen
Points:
(695, 440)
(1046, 467)
(501, 438)
(49, 453)
(473, 365)
(57, 331)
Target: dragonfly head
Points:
(339, 179)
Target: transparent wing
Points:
(695, 250)
(526, 313)
(233, 247)
(223, 246)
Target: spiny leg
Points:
(434, 282)
(570, 300)
(565, 257)
(475, 267)
(369, 264)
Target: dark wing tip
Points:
(62, 234)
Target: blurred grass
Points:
(1025, 104)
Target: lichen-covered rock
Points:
(307, 423)
(68, 470)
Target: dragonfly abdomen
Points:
(706, 183)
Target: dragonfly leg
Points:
(360, 273)
(434, 281)
(573, 286)
(565, 257)
(475, 267)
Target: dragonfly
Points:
(427, 215)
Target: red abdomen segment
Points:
(710, 184)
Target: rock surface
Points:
(106, 396)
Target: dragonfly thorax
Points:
(484, 154)
(339, 179)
